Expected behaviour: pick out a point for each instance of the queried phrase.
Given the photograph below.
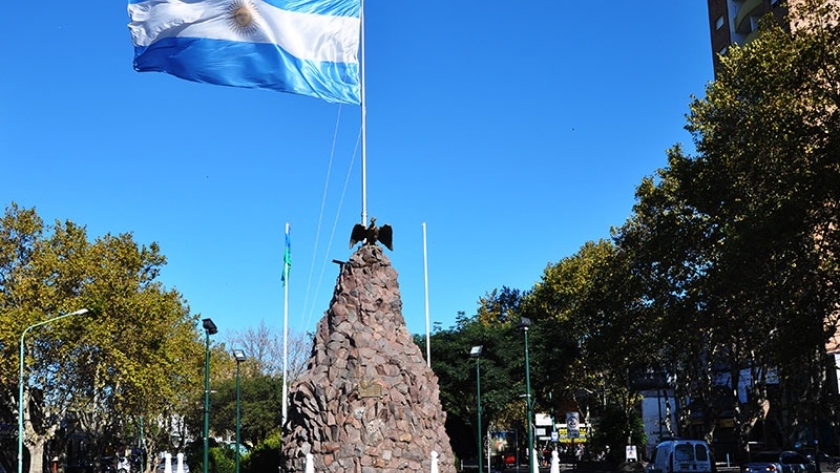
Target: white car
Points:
(674, 456)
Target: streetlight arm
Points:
(45, 322)
(27, 329)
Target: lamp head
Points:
(475, 352)
(524, 323)
(209, 327)
(239, 354)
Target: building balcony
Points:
(750, 8)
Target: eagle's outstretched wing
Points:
(359, 234)
(386, 235)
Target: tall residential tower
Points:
(736, 21)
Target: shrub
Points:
(265, 457)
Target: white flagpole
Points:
(364, 109)
(285, 397)
(426, 281)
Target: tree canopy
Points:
(133, 355)
(724, 274)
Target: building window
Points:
(719, 22)
(723, 50)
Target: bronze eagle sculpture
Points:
(372, 234)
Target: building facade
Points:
(736, 22)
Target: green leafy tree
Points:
(669, 249)
(131, 357)
(615, 427)
(736, 248)
(260, 408)
(590, 333)
(264, 457)
(730, 259)
(767, 137)
(500, 367)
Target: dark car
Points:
(786, 461)
(827, 463)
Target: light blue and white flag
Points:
(307, 47)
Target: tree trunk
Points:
(151, 455)
(36, 442)
(36, 453)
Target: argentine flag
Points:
(307, 47)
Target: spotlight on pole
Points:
(524, 324)
(209, 329)
(240, 357)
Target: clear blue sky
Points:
(516, 130)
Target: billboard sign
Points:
(573, 424)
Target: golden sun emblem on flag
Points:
(243, 16)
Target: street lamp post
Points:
(209, 329)
(240, 357)
(21, 405)
(524, 323)
(475, 352)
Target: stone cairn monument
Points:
(368, 402)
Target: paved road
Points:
(564, 467)
(570, 467)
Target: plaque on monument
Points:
(369, 389)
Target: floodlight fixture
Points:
(209, 327)
(239, 354)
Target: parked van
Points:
(681, 456)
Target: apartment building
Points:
(736, 21)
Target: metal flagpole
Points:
(426, 282)
(285, 397)
(364, 110)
